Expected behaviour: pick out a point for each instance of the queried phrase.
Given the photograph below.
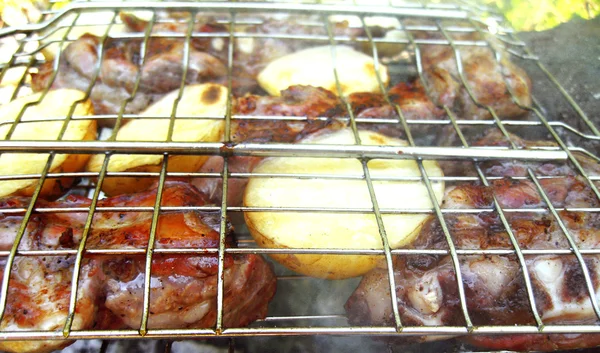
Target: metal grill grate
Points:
(464, 12)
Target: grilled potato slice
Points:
(202, 100)
(314, 67)
(56, 104)
(287, 229)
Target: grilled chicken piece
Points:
(482, 72)
(494, 286)
(40, 287)
(183, 286)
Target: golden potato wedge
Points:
(197, 100)
(56, 103)
(286, 229)
(314, 67)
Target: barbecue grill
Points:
(465, 16)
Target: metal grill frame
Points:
(463, 10)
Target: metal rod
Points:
(369, 182)
(276, 149)
(150, 248)
(238, 7)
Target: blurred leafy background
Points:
(538, 15)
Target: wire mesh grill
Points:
(471, 17)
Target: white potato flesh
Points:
(201, 100)
(56, 104)
(337, 230)
(315, 67)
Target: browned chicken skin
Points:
(183, 286)
(494, 285)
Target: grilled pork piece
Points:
(426, 285)
(483, 73)
(183, 287)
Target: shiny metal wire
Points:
(465, 11)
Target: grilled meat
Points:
(40, 287)
(484, 74)
(296, 101)
(410, 98)
(494, 285)
(213, 187)
(518, 168)
(118, 67)
(183, 286)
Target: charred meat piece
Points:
(317, 104)
(483, 73)
(494, 286)
(120, 64)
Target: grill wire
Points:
(465, 11)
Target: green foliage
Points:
(538, 15)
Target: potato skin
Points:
(325, 266)
(315, 265)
